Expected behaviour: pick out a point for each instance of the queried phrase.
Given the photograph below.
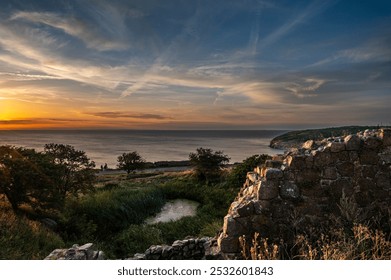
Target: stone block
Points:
(228, 244)
(296, 161)
(289, 190)
(234, 227)
(372, 143)
(329, 173)
(289, 175)
(369, 157)
(274, 174)
(336, 147)
(352, 143)
(383, 181)
(252, 176)
(385, 136)
(246, 209)
(368, 171)
(267, 190)
(353, 156)
(307, 176)
(385, 156)
(322, 159)
(309, 145)
(346, 169)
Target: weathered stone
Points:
(329, 173)
(368, 171)
(307, 176)
(368, 157)
(352, 143)
(385, 136)
(385, 156)
(289, 190)
(309, 161)
(322, 159)
(353, 156)
(345, 169)
(252, 176)
(245, 210)
(296, 161)
(365, 184)
(228, 244)
(257, 207)
(309, 145)
(289, 175)
(267, 190)
(336, 147)
(372, 143)
(76, 252)
(383, 181)
(274, 174)
(233, 227)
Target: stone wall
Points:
(76, 252)
(306, 186)
(187, 249)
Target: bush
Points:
(130, 162)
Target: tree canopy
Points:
(207, 163)
(130, 162)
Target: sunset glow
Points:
(194, 64)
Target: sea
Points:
(104, 146)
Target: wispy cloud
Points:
(116, 115)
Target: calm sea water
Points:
(104, 146)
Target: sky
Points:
(176, 64)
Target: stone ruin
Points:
(308, 183)
(76, 252)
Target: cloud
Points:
(91, 33)
(306, 88)
(116, 115)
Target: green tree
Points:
(73, 170)
(24, 179)
(130, 162)
(238, 174)
(207, 163)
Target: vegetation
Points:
(296, 138)
(113, 215)
(130, 162)
(207, 164)
(238, 174)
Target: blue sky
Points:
(194, 64)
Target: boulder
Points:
(352, 143)
(385, 136)
(267, 190)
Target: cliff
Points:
(306, 186)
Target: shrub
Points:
(130, 162)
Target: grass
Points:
(360, 243)
(21, 238)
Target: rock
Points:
(274, 174)
(369, 157)
(385, 136)
(246, 209)
(372, 143)
(76, 252)
(252, 176)
(309, 145)
(336, 147)
(267, 190)
(273, 163)
(345, 169)
(352, 143)
(289, 190)
(228, 244)
(329, 173)
(296, 161)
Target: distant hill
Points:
(294, 139)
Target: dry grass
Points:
(362, 243)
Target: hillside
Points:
(296, 138)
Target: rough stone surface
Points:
(76, 252)
(308, 186)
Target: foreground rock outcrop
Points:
(307, 185)
(76, 252)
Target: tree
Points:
(130, 162)
(207, 163)
(24, 179)
(73, 170)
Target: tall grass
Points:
(21, 238)
(110, 211)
